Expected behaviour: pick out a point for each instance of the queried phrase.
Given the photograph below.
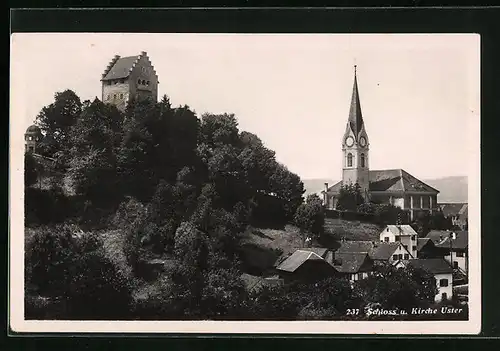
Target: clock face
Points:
(362, 141)
(349, 141)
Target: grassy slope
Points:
(352, 230)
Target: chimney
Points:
(326, 186)
(144, 53)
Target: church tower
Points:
(355, 146)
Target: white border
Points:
(16, 262)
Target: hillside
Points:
(452, 189)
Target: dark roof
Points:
(421, 242)
(461, 240)
(454, 209)
(383, 251)
(33, 129)
(432, 265)
(393, 180)
(397, 180)
(355, 116)
(297, 259)
(121, 68)
(350, 262)
(437, 235)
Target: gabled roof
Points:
(400, 230)
(375, 250)
(320, 251)
(437, 235)
(350, 262)
(120, 68)
(392, 180)
(432, 265)
(297, 259)
(454, 209)
(384, 251)
(421, 242)
(355, 121)
(461, 240)
(397, 180)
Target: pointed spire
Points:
(355, 116)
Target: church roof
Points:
(392, 180)
(355, 115)
(121, 68)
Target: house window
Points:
(398, 238)
(349, 160)
(394, 257)
(406, 247)
(444, 296)
(443, 282)
(387, 229)
(121, 96)
(138, 81)
(147, 82)
(414, 248)
(413, 238)
(400, 256)
(31, 148)
(386, 239)
(407, 257)
(460, 254)
(455, 264)
(362, 160)
(114, 96)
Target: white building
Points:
(404, 234)
(442, 272)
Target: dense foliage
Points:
(156, 186)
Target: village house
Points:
(454, 245)
(353, 265)
(306, 266)
(458, 213)
(442, 272)
(378, 252)
(390, 186)
(404, 234)
(427, 249)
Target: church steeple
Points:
(355, 115)
(355, 146)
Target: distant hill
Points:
(452, 189)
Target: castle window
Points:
(114, 96)
(349, 160)
(362, 160)
(147, 82)
(121, 96)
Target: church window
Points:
(362, 160)
(349, 160)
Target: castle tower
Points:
(31, 138)
(355, 146)
(131, 77)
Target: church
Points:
(388, 186)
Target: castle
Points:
(124, 78)
(129, 77)
(389, 186)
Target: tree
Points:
(390, 287)
(288, 188)
(310, 216)
(349, 197)
(56, 119)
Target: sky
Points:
(419, 93)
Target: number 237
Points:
(352, 311)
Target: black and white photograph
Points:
(245, 183)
